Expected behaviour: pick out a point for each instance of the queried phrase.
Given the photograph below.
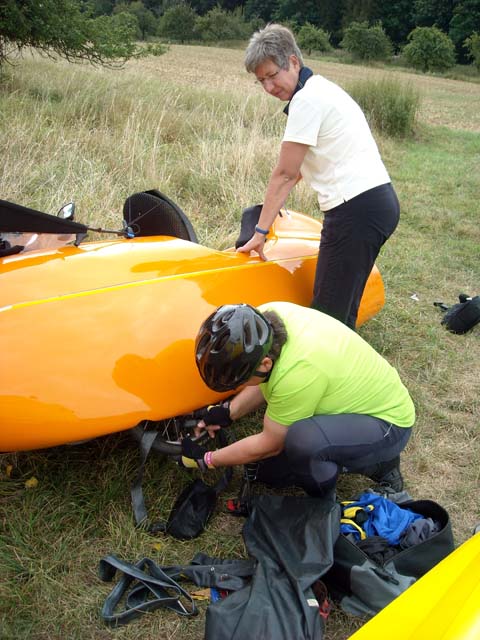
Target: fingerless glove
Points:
(217, 414)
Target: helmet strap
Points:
(264, 374)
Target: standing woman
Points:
(327, 142)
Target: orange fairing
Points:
(96, 338)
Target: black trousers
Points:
(352, 236)
(317, 449)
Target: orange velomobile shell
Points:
(96, 338)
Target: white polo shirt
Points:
(343, 158)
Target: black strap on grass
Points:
(136, 491)
(144, 586)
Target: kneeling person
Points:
(333, 404)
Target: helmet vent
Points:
(231, 344)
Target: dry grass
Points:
(451, 103)
(193, 124)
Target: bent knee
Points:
(304, 440)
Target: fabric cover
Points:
(15, 218)
(292, 539)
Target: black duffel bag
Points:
(363, 585)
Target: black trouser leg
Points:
(317, 449)
(352, 236)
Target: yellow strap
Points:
(352, 523)
(351, 512)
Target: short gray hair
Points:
(274, 42)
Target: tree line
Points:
(109, 30)
(458, 19)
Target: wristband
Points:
(207, 458)
(262, 231)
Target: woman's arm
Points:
(284, 177)
(269, 442)
(246, 401)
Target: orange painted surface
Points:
(96, 338)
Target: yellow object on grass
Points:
(442, 605)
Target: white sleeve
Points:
(303, 124)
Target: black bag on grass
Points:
(463, 316)
(363, 586)
(196, 503)
(193, 509)
(194, 506)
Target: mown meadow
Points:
(194, 125)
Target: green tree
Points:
(429, 49)
(360, 11)
(458, 18)
(160, 7)
(178, 23)
(232, 5)
(330, 19)
(298, 11)
(61, 27)
(472, 44)
(263, 9)
(157, 7)
(102, 7)
(465, 21)
(430, 13)
(204, 6)
(201, 7)
(218, 24)
(397, 20)
(367, 43)
(311, 38)
(396, 17)
(146, 20)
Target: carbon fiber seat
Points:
(150, 213)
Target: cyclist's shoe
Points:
(388, 474)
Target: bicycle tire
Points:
(162, 444)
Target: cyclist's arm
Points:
(269, 442)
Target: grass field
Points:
(193, 124)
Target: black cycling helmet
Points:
(231, 344)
